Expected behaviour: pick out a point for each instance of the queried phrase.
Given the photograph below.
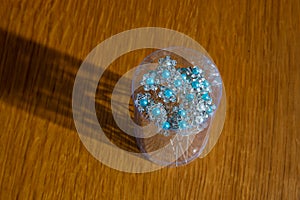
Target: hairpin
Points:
(175, 99)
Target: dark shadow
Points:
(39, 80)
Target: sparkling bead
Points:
(174, 62)
(213, 107)
(168, 62)
(177, 83)
(161, 60)
(206, 97)
(165, 133)
(184, 76)
(205, 83)
(143, 102)
(196, 70)
(168, 93)
(156, 112)
(166, 74)
(190, 97)
(209, 110)
(182, 112)
(201, 107)
(199, 120)
(166, 125)
(195, 84)
(150, 81)
(182, 124)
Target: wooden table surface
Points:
(255, 45)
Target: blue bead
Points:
(150, 81)
(143, 102)
(177, 83)
(166, 74)
(205, 83)
(183, 76)
(168, 93)
(190, 97)
(156, 111)
(182, 124)
(182, 112)
(206, 97)
(195, 70)
(195, 84)
(209, 110)
(166, 125)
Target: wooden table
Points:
(256, 46)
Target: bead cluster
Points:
(176, 100)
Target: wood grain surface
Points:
(255, 45)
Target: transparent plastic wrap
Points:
(179, 100)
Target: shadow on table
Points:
(39, 80)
